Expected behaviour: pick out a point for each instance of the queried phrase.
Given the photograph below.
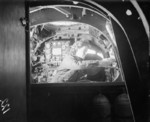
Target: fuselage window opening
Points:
(68, 48)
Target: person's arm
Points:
(98, 63)
(106, 62)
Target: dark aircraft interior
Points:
(50, 42)
(77, 61)
(74, 61)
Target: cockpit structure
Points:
(58, 32)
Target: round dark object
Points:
(101, 106)
(122, 106)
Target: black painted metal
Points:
(12, 61)
(73, 102)
(136, 88)
(13, 69)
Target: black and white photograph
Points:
(74, 61)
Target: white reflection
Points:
(129, 12)
(89, 51)
(80, 52)
(110, 31)
(100, 55)
(56, 51)
(67, 23)
(75, 2)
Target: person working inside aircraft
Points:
(73, 67)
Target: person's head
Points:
(81, 52)
(79, 48)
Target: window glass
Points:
(72, 51)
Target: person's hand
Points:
(107, 62)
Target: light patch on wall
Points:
(75, 2)
(56, 51)
(128, 12)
